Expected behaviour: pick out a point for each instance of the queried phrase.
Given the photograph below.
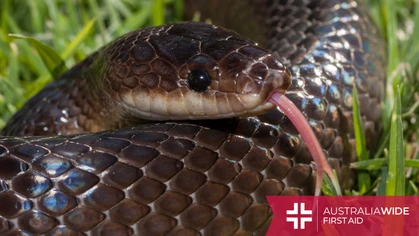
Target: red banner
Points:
(309, 215)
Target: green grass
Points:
(71, 30)
(392, 168)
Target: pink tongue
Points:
(307, 134)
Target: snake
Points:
(167, 130)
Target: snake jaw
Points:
(198, 107)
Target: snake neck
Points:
(93, 94)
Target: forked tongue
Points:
(307, 134)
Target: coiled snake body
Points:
(192, 177)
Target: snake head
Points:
(191, 71)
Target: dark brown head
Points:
(191, 71)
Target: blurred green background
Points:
(74, 29)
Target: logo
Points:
(299, 214)
(358, 215)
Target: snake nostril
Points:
(199, 80)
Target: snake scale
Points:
(192, 177)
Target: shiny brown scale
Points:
(194, 177)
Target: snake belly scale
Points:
(199, 177)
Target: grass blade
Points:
(30, 58)
(94, 7)
(372, 164)
(179, 6)
(328, 187)
(381, 188)
(411, 163)
(389, 8)
(158, 14)
(49, 56)
(361, 147)
(395, 184)
(87, 29)
(364, 180)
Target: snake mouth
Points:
(185, 104)
(243, 95)
(198, 106)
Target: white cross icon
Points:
(303, 219)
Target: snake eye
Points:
(199, 80)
